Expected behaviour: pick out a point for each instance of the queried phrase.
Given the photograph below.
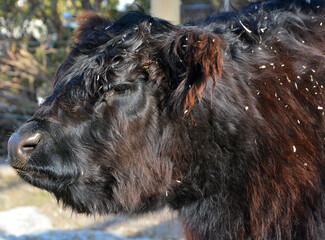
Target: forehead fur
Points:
(90, 23)
(104, 51)
(94, 30)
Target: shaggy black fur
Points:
(222, 120)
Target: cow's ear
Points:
(193, 58)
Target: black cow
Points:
(222, 120)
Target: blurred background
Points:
(35, 37)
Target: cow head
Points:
(108, 137)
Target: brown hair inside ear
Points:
(201, 54)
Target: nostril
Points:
(21, 146)
(28, 147)
(29, 143)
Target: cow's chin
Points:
(88, 198)
(72, 193)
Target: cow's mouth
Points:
(31, 173)
(41, 178)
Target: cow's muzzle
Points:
(21, 146)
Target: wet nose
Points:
(20, 147)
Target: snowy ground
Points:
(27, 213)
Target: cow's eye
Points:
(120, 95)
(125, 88)
(122, 88)
(119, 90)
